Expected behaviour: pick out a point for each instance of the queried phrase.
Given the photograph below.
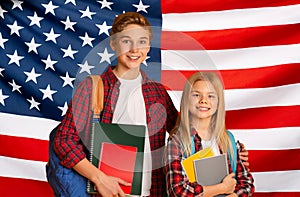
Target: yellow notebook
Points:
(188, 163)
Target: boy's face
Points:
(131, 46)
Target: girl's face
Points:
(203, 101)
(131, 46)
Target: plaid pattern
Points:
(161, 117)
(177, 181)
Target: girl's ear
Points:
(112, 45)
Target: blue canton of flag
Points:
(49, 46)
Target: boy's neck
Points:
(128, 74)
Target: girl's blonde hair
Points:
(217, 123)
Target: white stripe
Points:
(244, 58)
(20, 168)
(236, 99)
(25, 126)
(279, 181)
(269, 139)
(239, 18)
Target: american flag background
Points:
(47, 46)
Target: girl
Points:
(202, 123)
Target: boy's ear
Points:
(112, 44)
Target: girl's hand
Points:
(229, 183)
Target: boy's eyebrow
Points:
(144, 37)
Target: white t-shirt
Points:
(130, 109)
(213, 144)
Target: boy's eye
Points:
(125, 41)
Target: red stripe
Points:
(276, 194)
(241, 78)
(265, 117)
(231, 38)
(174, 6)
(24, 148)
(262, 160)
(24, 187)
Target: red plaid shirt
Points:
(178, 183)
(71, 138)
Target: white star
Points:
(32, 46)
(69, 52)
(35, 20)
(68, 24)
(105, 56)
(87, 13)
(106, 4)
(15, 86)
(17, 4)
(64, 109)
(144, 62)
(71, 1)
(86, 40)
(50, 8)
(49, 63)
(14, 28)
(31, 76)
(33, 104)
(2, 97)
(103, 28)
(1, 69)
(141, 7)
(48, 92)
(85, 67)
(2, 11)
(51, 36)
(67, 80)
(2, 41)
(15, 58)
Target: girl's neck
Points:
(126, 73)
(202, 128)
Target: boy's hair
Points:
(125, 19)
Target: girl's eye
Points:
(211, 96)
(195, 95)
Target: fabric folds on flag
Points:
(48, 46)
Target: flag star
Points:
(105, 56)
(50, 8)
(49, 63)
(2, 97)
(141, 7)
(14, 28)
(86, 40)
(68, 80)
(71, 1)
(85, 67)
(69, 52)
(51, 36)
(15, 86)
(105, 4)
(64, 109)
(2, 41)
(15, 58)
(2, 11)
(35, 20)
(87, 13)
(32, 46)
(33, 104)
(68, 24)
(145, 61)
(1, 69)
(17, 4)
(48, 92)
(31, 76)
(103, 28)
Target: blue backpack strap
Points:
(193, 148)
(233, 161)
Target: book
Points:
(118, 161)
(211, 170)
(118, 148)
(188, 163)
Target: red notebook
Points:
(118, 161)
